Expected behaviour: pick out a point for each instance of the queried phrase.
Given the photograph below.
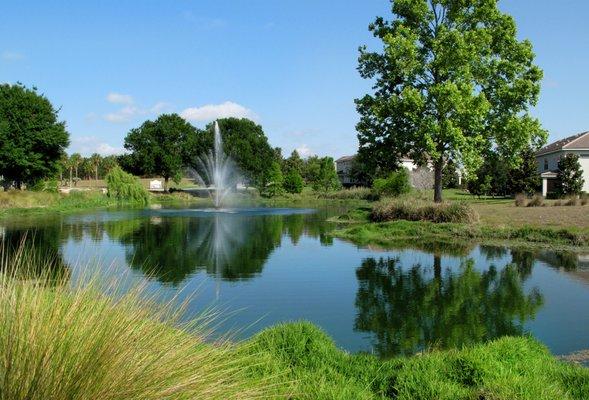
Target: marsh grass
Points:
(63, 340)
(414, 210)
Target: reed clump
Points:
(63, 340)
(417, 210)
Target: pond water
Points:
(260, 267)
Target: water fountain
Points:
(217, 171)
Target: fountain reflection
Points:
(230, 247)
(411, 309)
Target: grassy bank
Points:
(60, 342)
(17, 203)
(399, 222)
(505, 369)
(402, 233)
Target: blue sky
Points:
(288, 64)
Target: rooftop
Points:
(578, 141)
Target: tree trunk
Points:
(96, 170)
(71, 170)
(438, 166)
(166, 184)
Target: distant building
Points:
(548, 157)
(343, 166)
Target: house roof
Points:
(350, 158)
(345, 158)
(578, 141)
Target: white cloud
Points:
(11, 56)
(118, 98)
(212, 112)
(86, 145)
(304, 151)
(106, 149)
(123, 115)
(130, 110)
(159, 107)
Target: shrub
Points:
(396, 184)
(536, 201)
(63, 340)
(49, 185)
(390, 210)
(293, 182)
(521, 200)
(124, 186)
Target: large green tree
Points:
(157, 147)
(452, 82)
(32, 140)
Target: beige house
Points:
(343, 166)
(547, 159)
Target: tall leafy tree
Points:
(452, 81)
(524, 177)
(157, 147)
(570, 176)
(327, 176)
(294, 162)
(32, 140)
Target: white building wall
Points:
(584, 160)
(554, 158)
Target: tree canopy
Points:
(32, 140)
(452, 81)
(157, 147)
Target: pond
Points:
(259, 267)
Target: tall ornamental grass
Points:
(125, 187)
(69, 341)
(414, 210)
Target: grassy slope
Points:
(505, 369)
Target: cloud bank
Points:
(212, 112)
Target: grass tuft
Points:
(411, 210)
(70, 341)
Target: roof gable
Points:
(579, 141)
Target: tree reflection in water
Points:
(408, 310)
(231, 247)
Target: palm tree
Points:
(95, 160)
(76, 160)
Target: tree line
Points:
(33, 143)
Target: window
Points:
(545, 164)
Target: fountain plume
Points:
(217, 171)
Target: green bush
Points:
(412, 210)
(293, 182)
(396, 184)
(124, 186)
(48, 185)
